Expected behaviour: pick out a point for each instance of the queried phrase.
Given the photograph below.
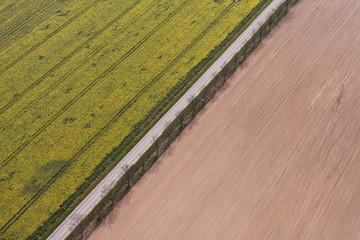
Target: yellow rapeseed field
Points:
(77, 76)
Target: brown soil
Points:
(273, 157)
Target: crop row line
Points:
(33, 48)
(27, 20)
(59, 64)
(91, 85)
(7, 7)
(114, 119)
(17, 5)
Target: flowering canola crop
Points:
(75, 79)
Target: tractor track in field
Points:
(92, 84)
(7, 7)
(27, 20)
(37, 45)
(59, 64)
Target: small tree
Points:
(286, 5)
(260, 33)
(213, 76)
(254, 40)
(245, 49)
(181, 118)
(270, 21)
(142, 162)
(106, 189)
(225, 70)
(169, 131)
(192, 102)
(98, 215)
(156, 145)
(236, 60)
(203, 97)
(76, 220)
(278, 14)
(125, 170)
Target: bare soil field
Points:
(276, 154)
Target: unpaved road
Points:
(270, 158)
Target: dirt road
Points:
(276, 155)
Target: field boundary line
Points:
(95, 196)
